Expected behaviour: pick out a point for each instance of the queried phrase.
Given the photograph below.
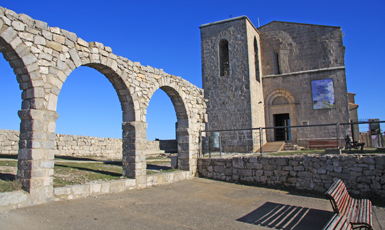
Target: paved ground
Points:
(194, 204)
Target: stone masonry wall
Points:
(81, 146)
(300, 47)
(74, 145)
(228, 96)
(9, 141)
(363, 175)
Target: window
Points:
(276, 63)
(224, 57)
(256, 60)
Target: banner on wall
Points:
(323, 94)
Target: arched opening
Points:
(89, 127)
(10, 103)
(280, 111)
(256, 60)
(224, 64)
(161, 133)
(182, 125)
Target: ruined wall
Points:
(82, 146)
(9, 141)
(363, 174)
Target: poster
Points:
(323, 94)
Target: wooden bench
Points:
(338, 222)
(323, 144)
(358, 212)
(353, 144)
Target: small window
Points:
(276, 63)
(224, 57)
(256, 60)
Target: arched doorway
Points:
(280, 111)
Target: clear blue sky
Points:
(166, 35)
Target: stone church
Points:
(280, 74)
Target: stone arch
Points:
(42, 57)
(176, 95)
(279, 101)
(35, 156)
(119, 81)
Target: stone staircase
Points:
(289, 146)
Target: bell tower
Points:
(232, 83)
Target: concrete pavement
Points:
(192, 204)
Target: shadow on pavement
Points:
(281, 216)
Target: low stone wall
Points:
(363, 175)
(168, 146)
(18, 199)
(81, 146)
(74, 145)
(9, 141)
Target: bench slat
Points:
(338, 222)
(358, 212)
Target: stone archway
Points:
(279, 101)
(42, 57)
(183, 124)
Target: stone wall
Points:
(75, 145)
(363, 174)
(9, 141)
(233, 98)
(297, 90)
(300, 47)
(82, 146)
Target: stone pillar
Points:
(36, 153)
(184, 144)
(134, 157)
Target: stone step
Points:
(274, 146)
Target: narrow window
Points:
(224, 57)
(256, 60)
(276, 63)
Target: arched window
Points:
(256, 60)
(224, 57)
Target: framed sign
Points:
(323, 94)
(375, 128)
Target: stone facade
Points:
(363, 175)
(270, 74)
(42, 57)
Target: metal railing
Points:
(261, 132)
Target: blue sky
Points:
(166, 35)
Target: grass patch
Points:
(8, 163)
(10, 185)
(70, 173)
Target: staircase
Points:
(274, 146)
(290, 146)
